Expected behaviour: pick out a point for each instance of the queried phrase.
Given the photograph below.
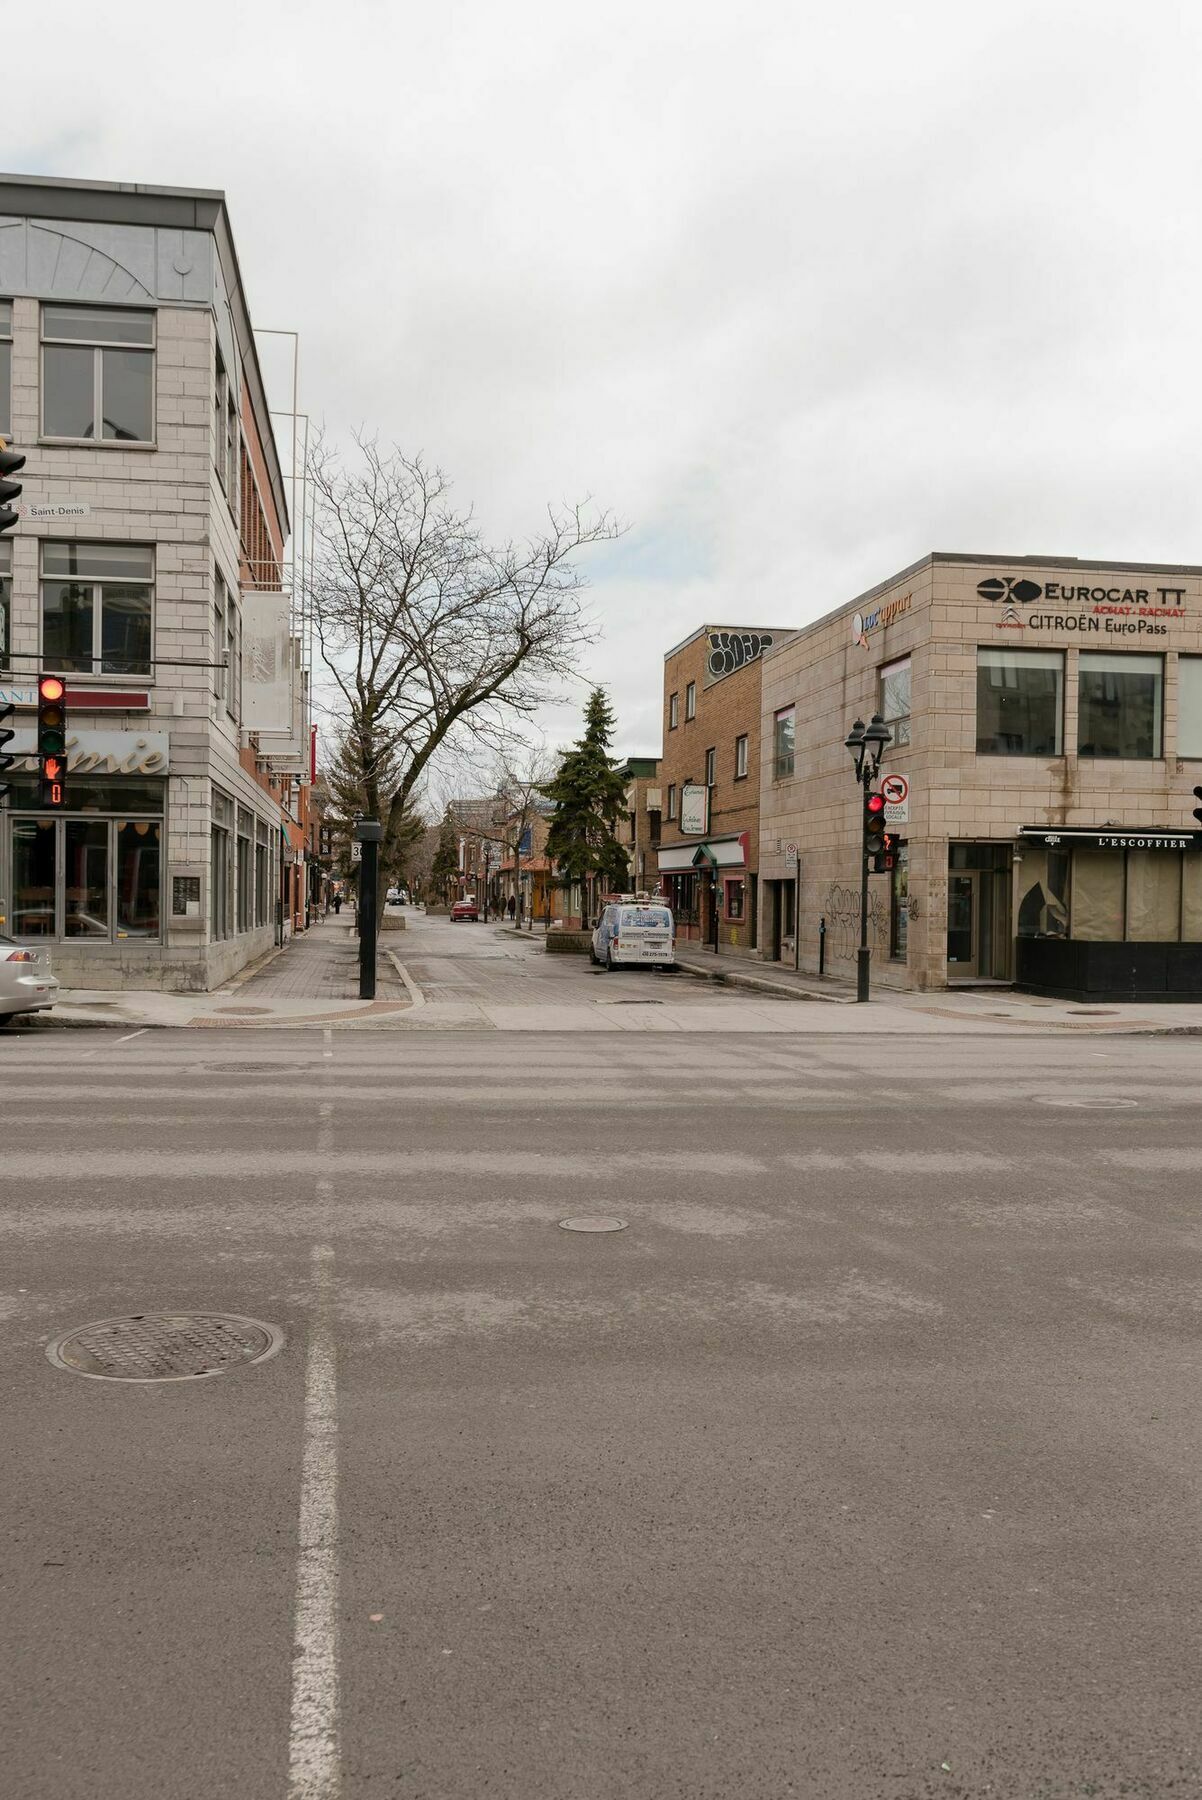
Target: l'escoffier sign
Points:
(100, 753)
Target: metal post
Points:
(822, 946)
(863, 953)
(797, 916)
(369, 832)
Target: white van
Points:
(635, 931)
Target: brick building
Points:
(708, 857)
(643, 825)
(1046, 718)
(153, 506)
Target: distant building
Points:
(149, 551)
(641, 828)
(708, 857)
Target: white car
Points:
(26, 984)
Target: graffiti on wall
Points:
(727, 651)
(842, 913)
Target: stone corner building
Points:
(153, 506)
(1047, 719)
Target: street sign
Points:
(895, 791)
(356, 851)
(790, 856)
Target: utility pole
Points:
(369, 833)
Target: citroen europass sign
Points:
(1115, 609)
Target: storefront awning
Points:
(712, 853)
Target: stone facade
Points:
(167, 255)
(966, 810)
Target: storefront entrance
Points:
(978, 912)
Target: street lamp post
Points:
(866, 744)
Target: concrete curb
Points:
(763, 984)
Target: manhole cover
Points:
(241, 1068)
(244, 1012)
(164, 1346)
(1092, 1104)
(601, 1223)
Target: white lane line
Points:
(313, 1735)
(328, 1035)
(133, 1034)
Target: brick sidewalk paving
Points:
(322, 964)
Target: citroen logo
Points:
(1006, 587)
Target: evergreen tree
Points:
(589, 796)
(446, 857)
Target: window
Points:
(1098, 899)
(741, 758)
(736, 900)
(6, 367)
(1020, 702)
(895, 699)
(709, 768)
(1119, 704)
(233, 652)
(219, 605)
(1042, 892)
(782, 742)
(93, 879)
(232, 447)
(219, 874)
(262, 853)
(246, 838)
(96, 607)
(98, 374)
(6, 601)
(220, 401)
(673, 711)
(899, 904)
(671, 800)
(1189, 706)
(654, 824)
(690, 701)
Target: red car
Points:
(465, 909)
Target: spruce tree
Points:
(589, 796)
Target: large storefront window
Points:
(88, 876)
(1043, 893)
(683, 891)
(246, 836)
(262, 864)
(1119, 705)
(219, 870)
(1020, 702)
(1099, 904)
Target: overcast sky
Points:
(800, 291)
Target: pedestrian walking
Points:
(337, 904)
(512, 908)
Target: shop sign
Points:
(1115, 611)
(863, 623)
(100, 753)
(1069, 837)
(694, 809)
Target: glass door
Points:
(962, 911)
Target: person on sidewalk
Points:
(337, 904)
(512, 907)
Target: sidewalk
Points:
(312, 980)
(968, 1005)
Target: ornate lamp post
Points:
(866, 744)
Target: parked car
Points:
(635, 933)
(393, 897)
(465, 909)
(26, 984)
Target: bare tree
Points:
(427, 628)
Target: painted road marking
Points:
(133, 1034)
(313, 1735)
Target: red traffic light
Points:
(50, 687)
(875, 805)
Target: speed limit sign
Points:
(895, 792)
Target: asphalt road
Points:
(864, 1462)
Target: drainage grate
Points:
(600, 1223)
(244, 1012)
(164, 1346)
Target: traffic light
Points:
(52, 739)
(1198, 808)
(874, 824)
(6, 736)
(10, 462)
(886, 856)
